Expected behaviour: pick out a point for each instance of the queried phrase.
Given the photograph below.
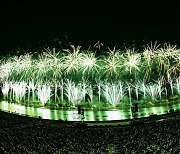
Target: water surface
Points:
(72, 115)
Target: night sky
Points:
(26, 22)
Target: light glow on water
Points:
(116, 115)
(89, 116)
(72, 115)
(45, 113)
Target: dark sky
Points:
(23, 22)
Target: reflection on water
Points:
(72, 115)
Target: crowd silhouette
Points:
(21, 136)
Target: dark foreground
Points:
(27, 135)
